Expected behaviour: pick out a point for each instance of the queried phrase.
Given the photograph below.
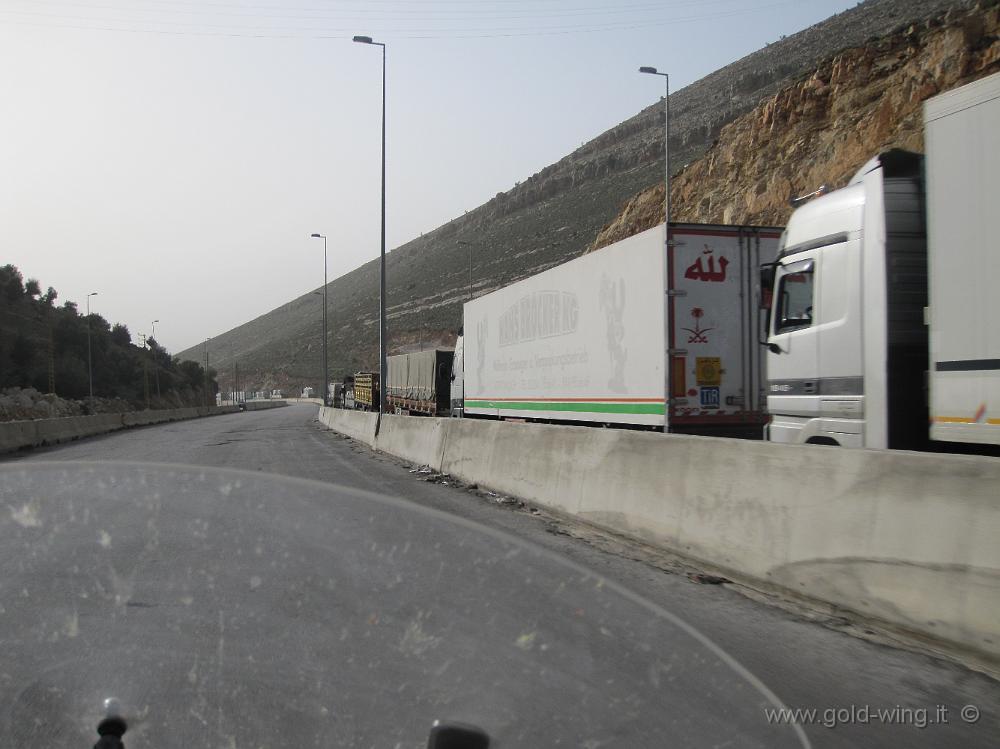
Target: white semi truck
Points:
(628, 335)
(884, 330)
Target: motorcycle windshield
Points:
(233, 609)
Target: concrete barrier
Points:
(905, 538)
(359, 425)
(16, 435)
(419, 440)
(53, 431)
(261, 405)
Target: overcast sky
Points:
(175, 156)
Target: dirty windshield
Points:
(234, 609)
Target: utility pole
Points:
(52, 360)
(145, 370)
(156, 367)
(666, 233)
(206, 372)
(90, 366)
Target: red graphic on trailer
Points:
(697, 332)
(699, 271)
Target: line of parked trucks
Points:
(871, 320)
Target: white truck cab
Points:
(847, 346)
(458, 378)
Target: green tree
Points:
(71, 376)
(120, 335)
(11, 283)
(21, 354)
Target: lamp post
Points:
(382, 334)
(666, 143)
(206, 371)
(323, 296)
(667, 373)
(326, 361)
(90, 366)
(156, 367)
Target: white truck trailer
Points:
(885, 327)
(627, 335)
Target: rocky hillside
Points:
(821, 129)
(546, 219)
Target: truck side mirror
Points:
(766, 284)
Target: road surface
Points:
(630, 675)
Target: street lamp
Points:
(382, 335)
(666, 229)
(666, 144)
(90, 366)
(206, 371)
(156, 367)
(326, 361)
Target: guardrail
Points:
(907, 539)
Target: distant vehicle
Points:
(628, 335)
(420, 382)
(366, 393)
(885, 315)
(307, 392)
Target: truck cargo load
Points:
(628, 335)
(366, 392)
(420, 382)
(962, 137)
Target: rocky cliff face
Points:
(821, 129)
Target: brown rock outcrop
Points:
(821, 129)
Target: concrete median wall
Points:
(263, 405)
(359, 425)
(909, 539)
(16, 435)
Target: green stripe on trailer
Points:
(604, 408)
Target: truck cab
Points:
(457, 398)
(847, 346)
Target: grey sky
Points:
(175, 156)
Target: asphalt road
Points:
(232, 609)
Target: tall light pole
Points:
(323, 295)
(383, 342)
(668, 369)
(666, 144)
(206, 371)
(90, 366)
(156, 367)
(326, 361)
